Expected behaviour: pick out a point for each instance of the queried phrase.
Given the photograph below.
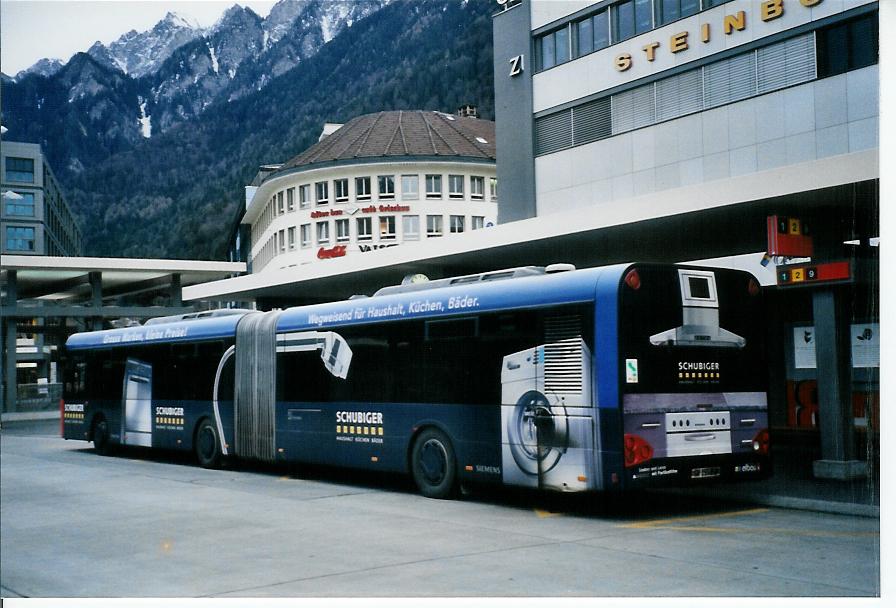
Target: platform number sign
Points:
(804, 274)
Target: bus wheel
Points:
(433, 464)
(101, 443)
(207, 445)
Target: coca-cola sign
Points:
(333, 252)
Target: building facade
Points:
(35, 218)
(378, 181)
(621, 99)
(613, 105)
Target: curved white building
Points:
(377, 181)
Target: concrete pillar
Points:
(175, 290)
(96, 299)
(833, 365)
(9, 345)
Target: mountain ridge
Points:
(166, 196)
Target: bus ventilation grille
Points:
(563, 355)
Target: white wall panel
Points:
(832, 141)
(545, 11)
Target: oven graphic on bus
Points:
(546, 426)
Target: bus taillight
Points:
(633, 280)
(62, 417)
(761, 442)
(753, 287)
(637, 450)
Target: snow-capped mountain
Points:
(145, 83)
(44, 67)
(141, 53)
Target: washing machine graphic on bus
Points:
(546, 422)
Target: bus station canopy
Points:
(77, 286)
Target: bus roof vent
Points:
(554, 268)
(497, 275)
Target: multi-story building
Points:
(378, 181)
(693, 122)
(35, 219)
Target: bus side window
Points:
(302, 377)
(106, 370)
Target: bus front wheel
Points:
(208, 445)
(433, 464)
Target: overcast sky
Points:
(34, 29)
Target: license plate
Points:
(705, 472)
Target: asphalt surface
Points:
(144, 524)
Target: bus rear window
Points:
(699, 287)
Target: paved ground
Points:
(76, 524)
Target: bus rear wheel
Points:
(433, 464)
(101, 443)
(207, 445)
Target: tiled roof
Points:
(403, 133)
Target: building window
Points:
(304, 195)
(280, 203)
(847, 46)
(632, 17)
(305, 234)
(291, 199)
(410, 227)
(456, 224)
(668, 11)
(410, 187)
(386, 186)
(282, 236)
(433, 186)
(18, 203)
(455, 186)
(340, 187)
(756, 72)
(387, 227)
(365, 228)
(493, 188)
(322, 194)
(19, 238)
(477, 222)
(593, 33)
(20, 169)
(323, 233)
(292, 238)
(477, 187)
(342, 231)
(552, 49)
(362, 188)
(433, 225)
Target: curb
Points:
(789, 502)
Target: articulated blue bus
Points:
(614, 378)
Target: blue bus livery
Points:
(613, 378)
